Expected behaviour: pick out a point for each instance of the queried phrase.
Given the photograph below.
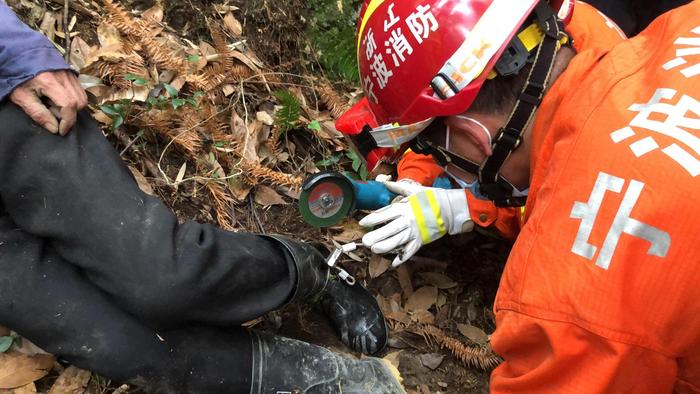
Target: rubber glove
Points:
(421, 216)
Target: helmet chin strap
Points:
(510, 136)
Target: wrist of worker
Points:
(458, 206)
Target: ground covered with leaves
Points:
(221, 110)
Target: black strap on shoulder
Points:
(510, 135)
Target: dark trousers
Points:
(103, 275)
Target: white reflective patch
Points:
(679, 121)
(587, 212)
(687, 41)
(691, 71)
(693, 49)
(679, 61)
(622, 134)
(682, 157)
(643, 146)
(687, 51)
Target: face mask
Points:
(475, 187)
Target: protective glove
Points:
(423, 215)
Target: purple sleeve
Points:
(24, 53)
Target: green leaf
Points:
(356, 165)
(172, 92)
(178, 102)
(117, 121)
(109, 110)
(5, 343)
(314, 125)
(139, 81)
(193, 58)
(363, 172)
(287, 116)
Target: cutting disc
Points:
(326, 198)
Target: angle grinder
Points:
(328, 197)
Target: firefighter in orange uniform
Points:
(599, 141)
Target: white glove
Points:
(417, 219)
(404, 187)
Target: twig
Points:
(66, 8)
(126, 141)
(255, 214)
(81, 8)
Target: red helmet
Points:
(419, 59)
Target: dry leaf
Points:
(475, 334)
(399, 316)
(135, 93)
(250, 146)
(73, 20)
(18, 369)
(352, 231)
(228, 89)
(393, 358)
(141, 181)
(71, 381)
(153, 14)
(431, 360)
(378, 265)
(224, 8)
(267, 196)
(265, 118)
(4, 331)
(26, 389)
(25, 346)
(48, 25)
(249, 59)
(423, 317)
(60, 34)
(79, 52)
(108, 36)
(438, 280)
(233, 25)
(422, 299)
(238, 127)
(181, 174)
(441, 300)
(102, 118)
(238, 189)
(404, 280)
(214, 168)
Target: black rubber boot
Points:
(353, 311)
(283, 365)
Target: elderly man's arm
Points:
(31, 69)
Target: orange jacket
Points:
(601, 293)
(589, 29)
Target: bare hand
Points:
(62, 88)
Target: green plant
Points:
(289, 112)
(358, 165)
(117, 111)
(331, 29)
(172, 99)
(5, 343)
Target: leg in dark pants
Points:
(53, 304)
(76, 193)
